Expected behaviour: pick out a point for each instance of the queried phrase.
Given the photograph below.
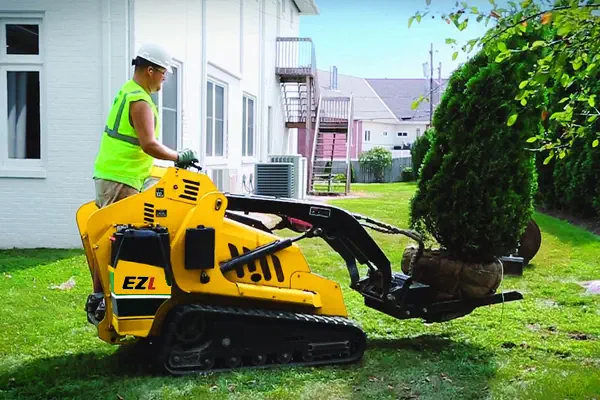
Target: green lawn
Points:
(544, 347)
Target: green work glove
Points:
(186, 158)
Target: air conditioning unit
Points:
(274, 179)
(300, 171)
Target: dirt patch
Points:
(592, 225)
(581, 336)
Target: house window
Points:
(367, 136)
(384, 133)
(400, 134)
(168, 102)
(215, 119)
(248, 126)
(21, 89)
(418, 132)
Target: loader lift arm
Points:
(342, 231)
(395, 294)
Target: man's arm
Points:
(143, 122)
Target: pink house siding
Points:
(340, 151)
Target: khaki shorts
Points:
(109, 192)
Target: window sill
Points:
(216, 162)
(249, 160)
(28, 173)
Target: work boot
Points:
(92, 303)
(100, 311)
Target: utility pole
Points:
(431, 85)
(439, 83)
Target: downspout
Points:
(106, 58)
(261, 91)
(204, 62)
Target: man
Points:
(129, 144)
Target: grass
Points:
(544, 347)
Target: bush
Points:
(420, 148)
(376, 161)
(407, 175)
(475, 193)
(576, 178)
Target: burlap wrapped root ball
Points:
(452, 277)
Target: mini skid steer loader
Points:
(189, 269)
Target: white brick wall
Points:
(41, 212)
(89, 47)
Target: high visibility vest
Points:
(121, 158)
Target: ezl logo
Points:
(139, 283)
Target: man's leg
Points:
(107, 193)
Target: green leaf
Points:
(595, 143)
(562, 154)
(418, 17)
(502, 56)
(523, 102)
(590, 67)
(548, 159)
(410, 21)
(526, 3)
(564, 30)
(480, 17)
(532, 139)
(523, 84)
(564, 79)
(538, 43)
(450, 41)
(492, 2)
(474, 10)
(592, 118)
(563, 100)
(512, 119)
(592, 100)
(502, 47)
(577, 63)
(454, 55)
(463, 25)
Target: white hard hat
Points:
(155, 54)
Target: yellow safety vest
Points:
(121, 158)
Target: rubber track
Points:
(329, 322)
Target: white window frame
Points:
(22, 168)
(367, 136)
(252, 157)
(179, 65)
(211, 158)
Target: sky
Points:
(371, 38)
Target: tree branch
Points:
(535, 16)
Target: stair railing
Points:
(314, 145)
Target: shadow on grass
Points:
(81, 375)
(18, 259)
(426, 366)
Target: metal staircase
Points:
(324, 123)
(330, 153)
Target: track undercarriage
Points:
(207, 338)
